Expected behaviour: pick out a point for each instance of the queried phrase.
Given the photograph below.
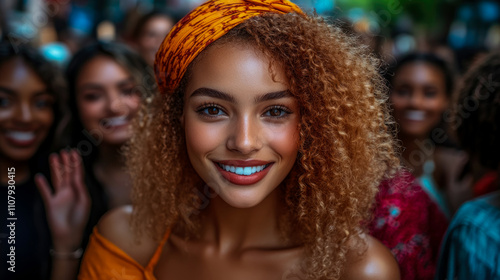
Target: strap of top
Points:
(154, 260)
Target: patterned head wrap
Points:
(205, 24)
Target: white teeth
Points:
(116, 121)
(21, 136)
(415, 115)
(248, 170)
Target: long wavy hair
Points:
(346, 144)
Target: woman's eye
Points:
(4, 102)
(44, 103)
(277, 112)
(212, 111)
(128, 91)
(430, 93)
(41, 104)
(402, 92)
(91, 97)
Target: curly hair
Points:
(476, 111)
(346, 145)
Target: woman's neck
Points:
(233, 229)
(109, 169)
(21, 172)
(417, 150)
(110, 157)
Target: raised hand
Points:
(68, 207)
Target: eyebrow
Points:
(213, 93)
(224, 96)
(9, 91)
(99, 86)
(273, 95)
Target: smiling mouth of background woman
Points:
(243, 172)
(21, 138)
(114, 122)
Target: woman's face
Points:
(106, 100)
(26, 110)
(418, 98)
(152, 35)
(241, 126)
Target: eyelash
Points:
(200, 110)
(284, 109)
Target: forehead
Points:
(102, 69)
(17, 74)
(420, 71)
(236, 66)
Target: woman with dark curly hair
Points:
(471, 248)
(259, 160)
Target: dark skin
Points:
(418, 99)
(240, 238)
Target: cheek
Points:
(201, 137)
(439, 105)
(285, 141)
(90, 113)
(398, 102)
(46, 118)
(133, 103)
(6, 114)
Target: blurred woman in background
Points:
(32, 118)
(149, 33)
(107, 84)
(420, 93)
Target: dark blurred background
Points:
(458, 30)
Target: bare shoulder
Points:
(115, 227)
(374, 262)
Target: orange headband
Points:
(205, 24)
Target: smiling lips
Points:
(115, 121)
(243, 172)
(21, 138)
(415, 115)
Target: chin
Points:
(242, 198)
(416, 133)
(20, 156)
(116, 139)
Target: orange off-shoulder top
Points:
(104, 260)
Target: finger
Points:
(55, 171)
(76, 164)
(66, 169)
(77, 178)
(44, 189)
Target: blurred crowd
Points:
(74, 74)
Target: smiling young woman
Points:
(420, 93)
(32, 117)
(107, 87)
(256, 161)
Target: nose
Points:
(416, 100)
(116, 104)
(244, 136)
(23, 113)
